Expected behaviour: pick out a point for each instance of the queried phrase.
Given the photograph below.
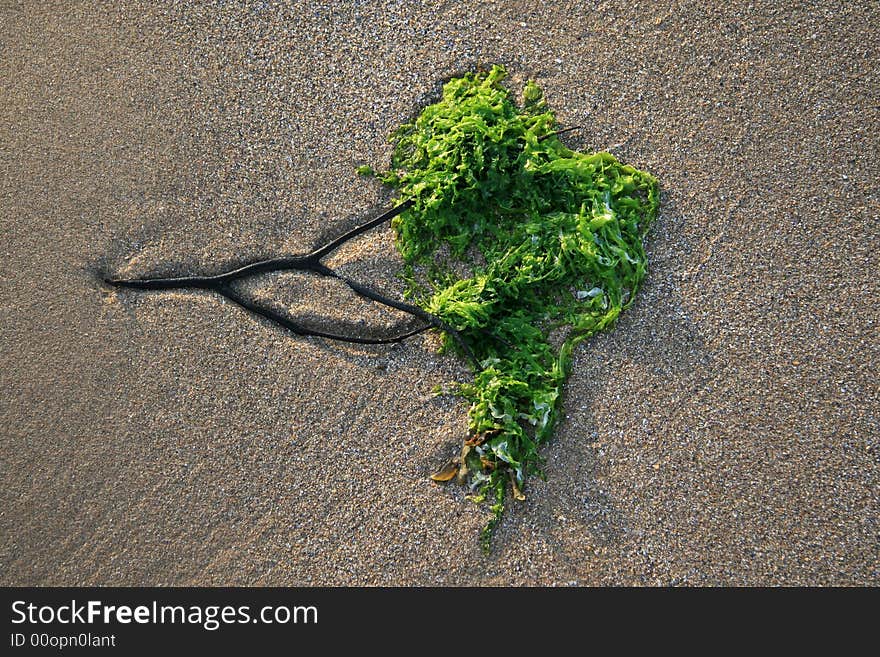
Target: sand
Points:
(725, 433)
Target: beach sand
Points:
(724, 433)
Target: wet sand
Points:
(725, 433)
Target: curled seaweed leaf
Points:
(558, 235)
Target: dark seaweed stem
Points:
(432, 320)
(221, 284)
(310, 262)
(298, 329)
(559, 132)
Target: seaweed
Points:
(517, 248)
(512, 239)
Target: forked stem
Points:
(222, 284)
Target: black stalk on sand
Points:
(221, 284)
(558, 132)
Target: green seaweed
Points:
(525, 247)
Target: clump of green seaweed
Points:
(550, 241)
